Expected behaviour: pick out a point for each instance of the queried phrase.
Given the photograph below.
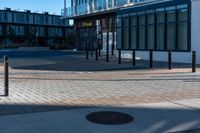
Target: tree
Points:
(69, 40)
(11, 34)
(31, 37)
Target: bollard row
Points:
(150, 58)
(6, 82)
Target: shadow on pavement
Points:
(146, 119)
(76, 61)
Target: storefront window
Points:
(182, 27)
(171, 28)
(119, 33)
(155, 29)
(126, 32)
(160, 36)
(142, 32)
(150, 33)
(160, 28)
(133, 32)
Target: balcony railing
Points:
(92, 7)
(99, 6)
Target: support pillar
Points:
(151, 59)
(119, 56)
(133, 58)
(169, 60)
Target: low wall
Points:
(33, 48)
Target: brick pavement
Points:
(47, 90)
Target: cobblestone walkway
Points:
(47, 90)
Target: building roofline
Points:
(28, 12)
(92, 14)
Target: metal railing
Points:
(97, 6)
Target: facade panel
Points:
(17, 28)
(159, 27)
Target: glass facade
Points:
(31, 18)
(133, 28)
(24, 27)
(157, 28)
(82, 7)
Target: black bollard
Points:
(193, 61)
(151, 59)
(112, 49)
(169, 59)
(99, 51)
(133, 58)
(96, 54)
(6, 87)
(87, 53)
(107, 53)
(119, 52)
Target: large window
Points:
(150, 29)
(171, 28)
(1, 16)
(160, 29)
(119, 33)
(142, 30)
(163, 28)
(182, 27)
(133, 32)
(126, 32)
(19, 30)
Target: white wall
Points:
(195, 35)
(178, 56)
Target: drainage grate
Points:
(109, 118)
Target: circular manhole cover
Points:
(109, 118)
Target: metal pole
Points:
(99, 50)
(133, 58)
(113, 42)
(193, 61)
(151, 59)
(96, 54)
(107, 47)
(169, 60)
(6, 82)
(87, 53)
(119, 52)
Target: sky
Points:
(51, 6)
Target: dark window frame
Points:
(177, 48)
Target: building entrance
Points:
(87, 38)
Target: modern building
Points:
(26, 28)
(138, 25)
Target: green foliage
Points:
(31, 37)
(69, 40)
(11, 34)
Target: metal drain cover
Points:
(109, 118)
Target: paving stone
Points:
(92, 83)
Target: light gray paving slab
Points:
(148, 118)
(192, 103)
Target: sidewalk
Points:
(148, 118)
(50, 92)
